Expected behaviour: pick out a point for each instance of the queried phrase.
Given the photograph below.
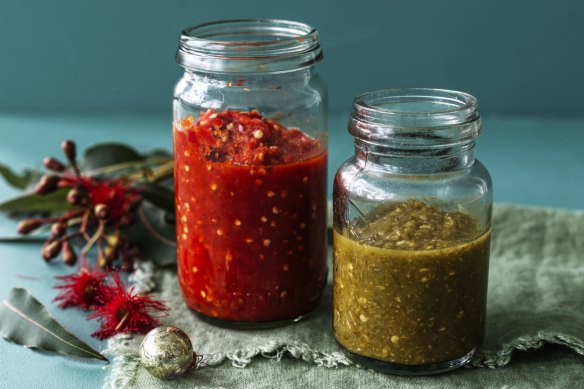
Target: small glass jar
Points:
(250, 148)
(412, 222)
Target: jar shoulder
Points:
(218, 91)
(356, 179)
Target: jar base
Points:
(410, 370)
(247, 325)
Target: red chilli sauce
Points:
(251, 217)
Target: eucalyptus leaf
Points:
(19, 181)
(159, 195)
(22, 239)
(55, 201)
(25, 321)
(158, 153)
(153, 235)
(124, 168)
(106, 154)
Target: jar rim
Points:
(249, 46)
(405, 113)
(384, 104)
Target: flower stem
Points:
(158, 173)
(94, 238)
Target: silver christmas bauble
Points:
(167, 352)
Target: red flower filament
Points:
(83, 290)
(117, 195)
(125, 311)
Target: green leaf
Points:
(25, 321)
(158, 153)
(107, 154)
(22, 239)
(161, 196)
(19, 181)
(56, 201)
(119, 169)
(153, 235)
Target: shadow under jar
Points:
(412, 222)
(250, 136)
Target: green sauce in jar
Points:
(410, 284)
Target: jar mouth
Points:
(414, 112)
(249, 46)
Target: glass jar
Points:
(250, 148)
(412, 222)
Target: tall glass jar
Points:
(250, 148)
(412, 222)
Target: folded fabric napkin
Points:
(536, 296)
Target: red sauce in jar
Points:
(251, 217)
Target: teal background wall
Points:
(524, 57)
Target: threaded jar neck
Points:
(415, 118)
(249, 46)
(416, 131)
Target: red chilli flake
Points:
(83, 290)
(125, 311)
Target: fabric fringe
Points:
(524, 343)
(143, 277)
(277, 351)
(126, 362)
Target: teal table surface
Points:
(533, 161)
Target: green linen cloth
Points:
(536, 300)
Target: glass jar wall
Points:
(412, 220)
(250, 147)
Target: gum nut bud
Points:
(29, 225)
(68, 254)
(167, 352)
(69, 149)
(58, 229)
(101, 211)
(51, 249)
(53, 164)
(74, 197)
(47, 184)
